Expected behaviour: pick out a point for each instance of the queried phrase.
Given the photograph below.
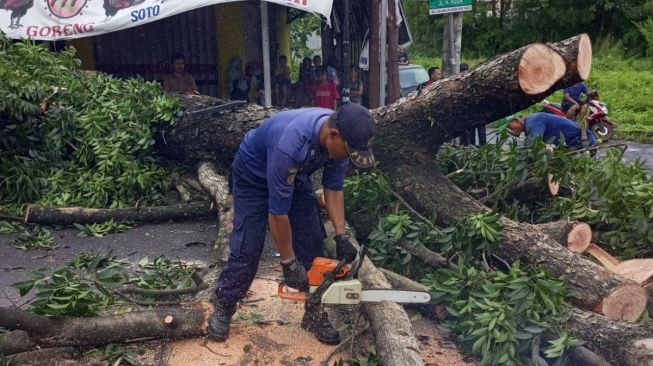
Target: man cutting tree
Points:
(270, 183)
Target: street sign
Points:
(449, 6)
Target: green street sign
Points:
(449, 6)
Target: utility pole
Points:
(346, 44)
(383, 79)
(394, 93)
(452, 41)
(374, 62)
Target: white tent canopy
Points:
(67, 19)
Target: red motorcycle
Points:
(597, 118)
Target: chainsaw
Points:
(336, 282)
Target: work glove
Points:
(295, 275)
(344, 248)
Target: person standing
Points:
(179, 81)
(354, 87)
(270, 183)
(325, 94)
(282, 80)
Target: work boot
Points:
(218, 329)
(316, 321)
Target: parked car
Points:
(410, 77)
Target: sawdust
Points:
(266, 331)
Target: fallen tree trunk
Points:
(81, 215)
(494, 89)
(590, 286)
(32, 330)
(393, 332)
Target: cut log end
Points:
(554, 186)
(579, 238)
(539, 68)
(169, 319)
(584, 61)
(605, 258)
(638, 270)
(628, 302)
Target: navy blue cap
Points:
(356, 126)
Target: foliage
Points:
(163, 274)
(593, 190)
(115, 355)
(4, 361)
(102, 229)
(367, 191)
(499, 26)
(646, 28)
(36, 238)
(472, 239)
(69, 139)
(300, 30)
(10, 227)
(499, 316)
(89, 284)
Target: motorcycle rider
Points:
(571, 103)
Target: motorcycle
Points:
(597, 118)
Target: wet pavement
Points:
(188, 240)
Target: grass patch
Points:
(624, 84)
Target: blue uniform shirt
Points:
(285, 146)
(575, 91)
(550, 127)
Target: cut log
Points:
(638, 270)
(577, 53)
(44, 332)
(620, 343)
(590, 286)
(81, 215)
(218, 188)
(574, 235)
(393, 332)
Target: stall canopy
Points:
(67, 19)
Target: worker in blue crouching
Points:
(552, 129)
(270, 183)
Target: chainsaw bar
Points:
(398, 296)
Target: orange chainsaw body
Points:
(321, 266)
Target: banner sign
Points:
(66, 19)
(449, 6)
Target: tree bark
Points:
(393, 332)
(620, 343)
(81, 215)
(33, 330)
(218, 188)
